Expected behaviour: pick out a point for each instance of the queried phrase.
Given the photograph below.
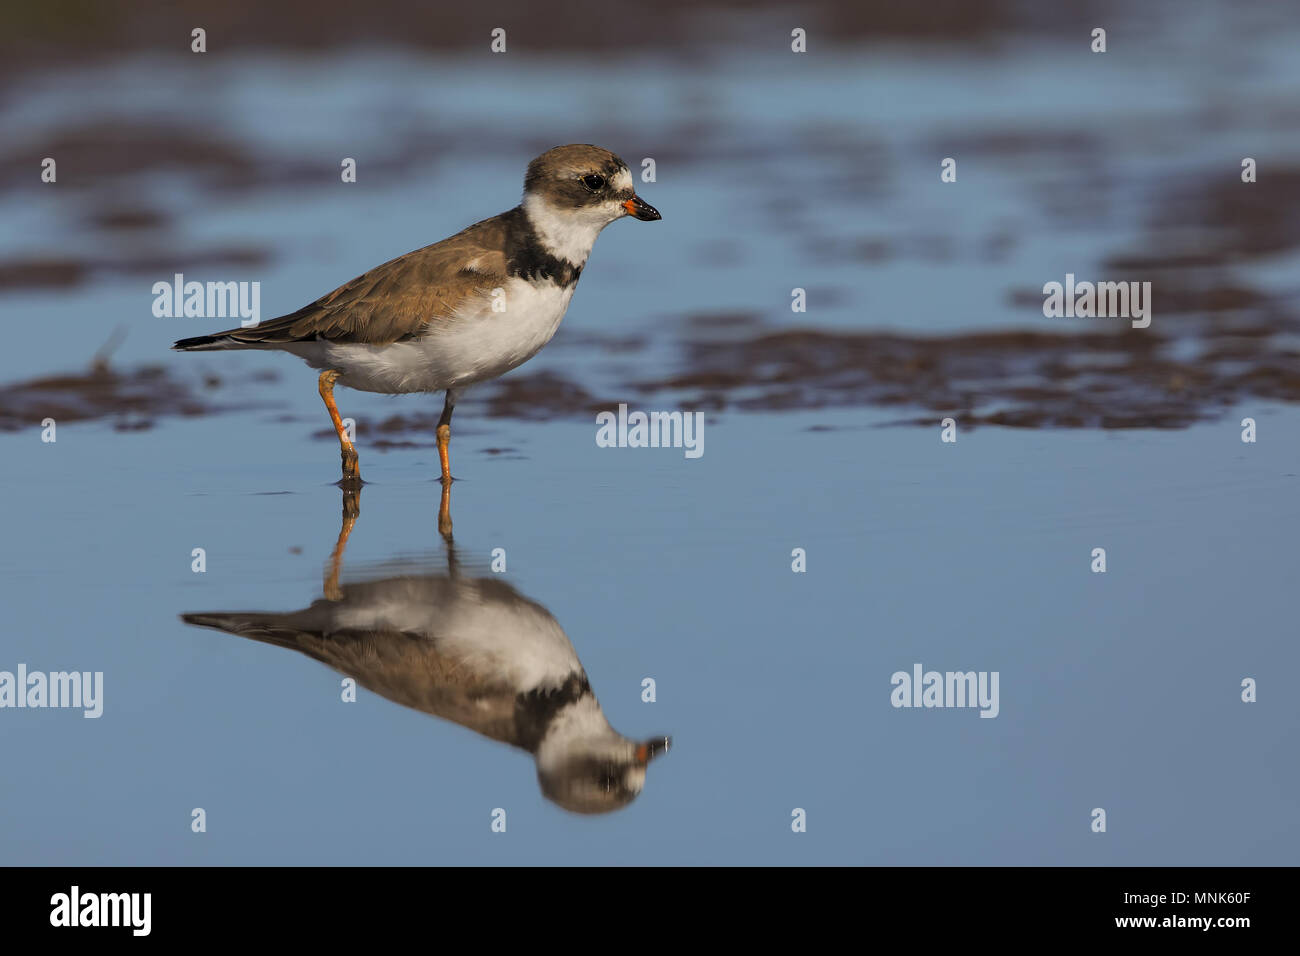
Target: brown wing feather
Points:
(405, 668)
(396, 299)
(408, 670)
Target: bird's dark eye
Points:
(594, 181)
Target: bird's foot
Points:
(351, 465)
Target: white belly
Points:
(477, 345)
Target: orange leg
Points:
(444, 434)
(347, 452)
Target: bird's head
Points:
(590, 769)
(573, 192)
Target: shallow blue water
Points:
(1118, 690)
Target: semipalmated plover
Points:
(473, 651)
(463, 310)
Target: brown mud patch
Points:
(1134, 378)
(68, 272)
(131, 400)
(1124, 379)
(34, 33)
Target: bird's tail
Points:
(280, 331)
(204, 343)
(267, 628)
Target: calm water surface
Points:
(1118, 690)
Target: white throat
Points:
(580, 726)
(566, 233)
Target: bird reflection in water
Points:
(472, 650)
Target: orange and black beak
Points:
(638, 207)
(649, 749)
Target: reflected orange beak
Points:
(647, 751)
